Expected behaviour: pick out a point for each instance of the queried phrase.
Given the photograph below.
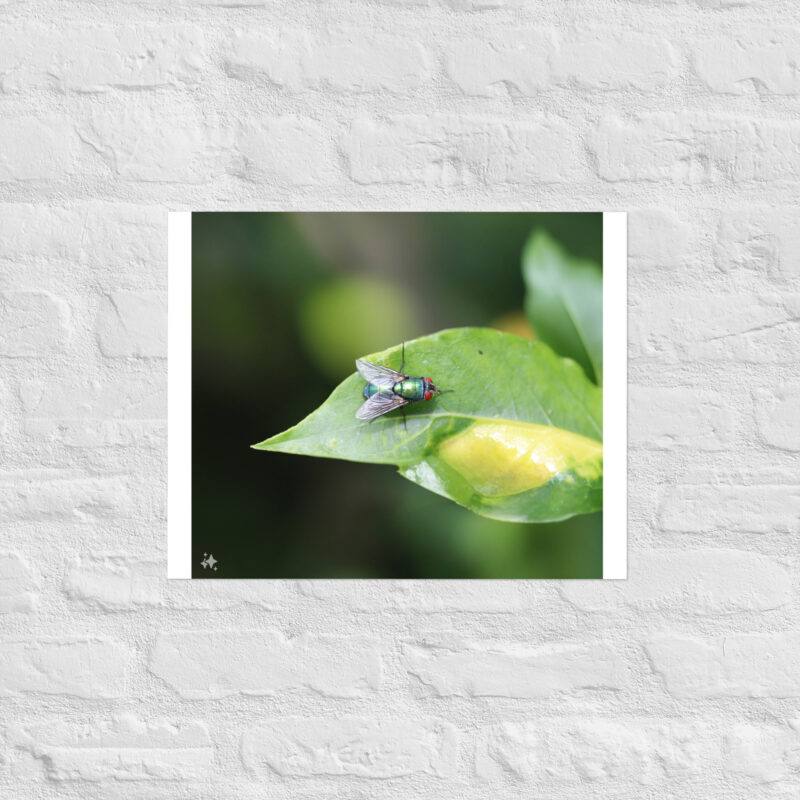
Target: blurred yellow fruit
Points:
(516, 322)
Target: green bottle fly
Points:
(387, 389)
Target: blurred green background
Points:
(282, 305)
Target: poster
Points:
(397, 395)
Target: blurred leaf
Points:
(350, 315)
(519, 438)
(565, 302)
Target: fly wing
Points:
(382, 377)
(380, 403)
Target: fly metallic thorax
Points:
(387, 389)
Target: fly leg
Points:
(403, 409)
(404, 357)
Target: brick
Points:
(737, 665)
(17, 585)
(37, 149)
(729, 3)
(124, 242)
(466, 5)
(770, 343)
(123, 583)
(367, 748)
(232, 3)
(759, 240)
(33, 323)
(505, 669)
(776, 415)
(213, 595)
(114, 583)
(462, 151)
(289, 149)
(132, 324)
(759, 61)
(89, 668)
(578, 751)
(515, 64)
(657, 240)
(124, 413)
(764, 753)
(112, 238)
(603, 58)
(328, 59)
(206, 665)
(692, 148)
(715, 326)
(62, 496)
(122, 748)
(94, 58)
(668, 417)
(487, 597)
(183, 145)
(32, 231)
(724, 507)
(703, 582)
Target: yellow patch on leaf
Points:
(502, 458)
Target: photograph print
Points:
(397, 395)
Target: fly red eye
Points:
(429, 380)
(428, 395)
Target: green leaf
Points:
(564, 303)
(519, 438)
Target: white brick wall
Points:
(681, 682)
